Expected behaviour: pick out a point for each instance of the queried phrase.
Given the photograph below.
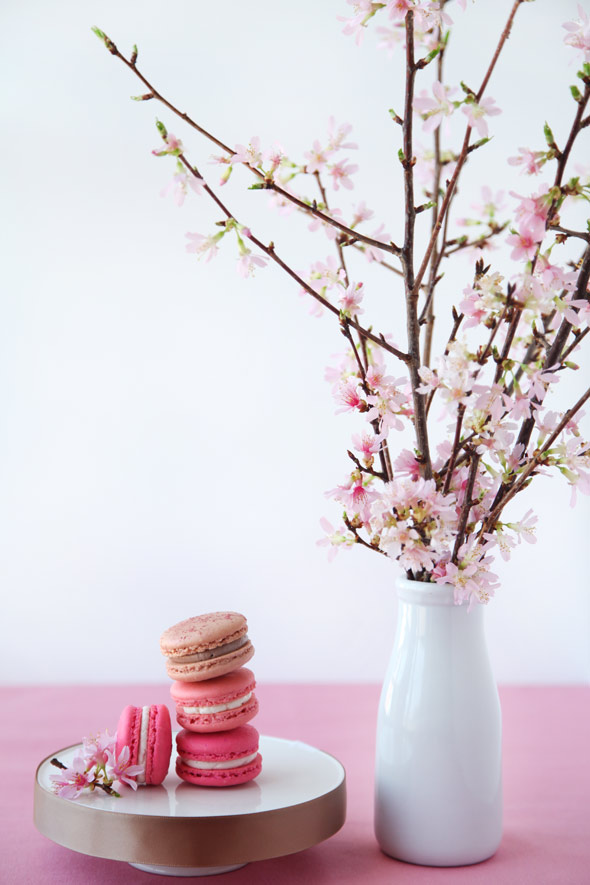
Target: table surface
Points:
(546, 785)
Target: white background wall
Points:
(167, 434)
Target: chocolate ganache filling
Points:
(212, 652)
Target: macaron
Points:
(148, 734)
(216, 704)
(206, 646)
(219, 759)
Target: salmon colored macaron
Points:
(216, 704)
(206, 646)
(148, 734)
(220, 759)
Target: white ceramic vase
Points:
(438, 779)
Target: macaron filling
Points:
(143, 740)
(226, 763)
(210, 652)
(218, 708)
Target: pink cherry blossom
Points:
(351, 299)
(95, 750)
(434, 109)
(539, 380)
(247, 263)
(475, 113)
(336, 136)
(173, 147)
(429, 378)
(525, 246)
(70, 782)
(179, 185)
(361, 213)
(398, 9)
(356, 495)
(578, 33)
(368, 444)
(203, 245)
(531, 161)
(119, 769)
(330, 231)
(348, 395)
(390, 39)
(406, 464)
(335, 538)
(356, 24)
(341, 173)
(531, 212)
(373, 253)
(316, 158)
(249, 154)
(275, 156)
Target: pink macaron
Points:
(216, 704)
(148, 734)
(219, 759)
(206, 646)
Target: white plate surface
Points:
(292, 773)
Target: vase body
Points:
(438, 778)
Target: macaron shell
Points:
(221, 690)
(223, 721)
(219, 747)
(129, 731)
(203, 632)
(198, 671)
(219, 777)
(159, 744)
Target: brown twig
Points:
(465, 148)
(269, 184)
(407, 258)
(535, 461)
(467, 505)
(271, 253)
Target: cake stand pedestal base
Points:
(185, 871)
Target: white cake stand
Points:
(177, 829)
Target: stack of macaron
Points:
(214, 697)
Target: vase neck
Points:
(421, 593)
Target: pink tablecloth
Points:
(546, 786)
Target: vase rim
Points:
(425, 593)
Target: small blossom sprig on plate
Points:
(438, 507)
(97, 767)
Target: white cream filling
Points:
(219, 708)
(145, 721)
(228, 763)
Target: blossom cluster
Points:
(439, 513)
(96, 767)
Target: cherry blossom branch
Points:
(455, 449)
(579, 234)
(457, 320)
(467, 505)
(379, 474)
(427, 315)
(270, 252)
(352, 528)
(578, 336)
(268, 183)
(386, 468)
(407, 257)
(339, 248)
(496, 510)
(465, 148)
(478, 242)
(554, 354)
